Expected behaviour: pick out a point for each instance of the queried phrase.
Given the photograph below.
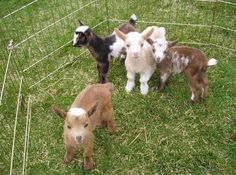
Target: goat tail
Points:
(212, 62)
(133, 19)
(110, 86)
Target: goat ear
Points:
(120, 34)
(172, 44)
(92, 109)
(150, 41)
(147, 33)
(59, 112)
(80, 23)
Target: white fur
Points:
(193, 96)
(130, 83)
(186, 61)
(76, 112)
(82, 29)
(134, 41)
(160, 45)
(129, 86)
(139, 60)
(144, 78)
(159, 32)
(75, 39)
(116, 47)
(212, 62)
(164, 77)
(134, 17)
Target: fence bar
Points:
(26, 134)
(46, 56)
(226, 2)
(20, 9)
(53, 72)
(16, 117)
(5, 76)
(165, 23)
(64, 65)
(50, 25)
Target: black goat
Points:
(102, 49)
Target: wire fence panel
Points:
(41, 51)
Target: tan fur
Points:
(96, 101)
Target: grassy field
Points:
(160, 133)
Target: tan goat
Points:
(91, 108)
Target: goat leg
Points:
(70, 151)
(102, 70)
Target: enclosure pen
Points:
(157, 134)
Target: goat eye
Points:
(141, 45)
(127, 45)
(68, 126)
(153, 50)
(86, 125)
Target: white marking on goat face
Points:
(75, 38)
(82, 29)
(77, 125)
(160, 45)
(134, 44)
(77, 112)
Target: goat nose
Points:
(136, 54)
(158, 59)
(79, 138)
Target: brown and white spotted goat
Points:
(191, 61)
(91, 108)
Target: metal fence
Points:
(40, 51)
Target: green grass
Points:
(160, 133)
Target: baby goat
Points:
(91, 108)
(102, 49)
(139, 56)
(191, 61)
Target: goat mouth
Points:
(76, 45)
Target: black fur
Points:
(100, 47)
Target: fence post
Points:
(107, 13)
(213, 20)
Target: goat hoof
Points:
(66, 161)
(128, 89)
(155, 89)
(112, 130)
(88, 166)
(192, 102)
(144, 93)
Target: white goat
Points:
(139, 56)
